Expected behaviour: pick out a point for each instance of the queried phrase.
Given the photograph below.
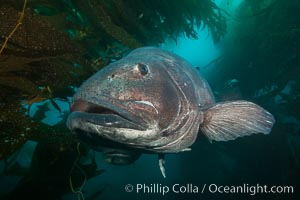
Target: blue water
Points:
(259, 160)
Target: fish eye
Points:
(143, 69)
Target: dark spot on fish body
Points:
(165, 133)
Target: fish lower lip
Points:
(77, 119)
(105, 109)
(104, 114)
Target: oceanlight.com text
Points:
(250, 189)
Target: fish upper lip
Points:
(88, 107)
(102, 107)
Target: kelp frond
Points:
(15, 28)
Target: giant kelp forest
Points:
(49, 47)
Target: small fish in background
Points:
(141, 16)
(154, 101)
(230, 91)
(232, 82)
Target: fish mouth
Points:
(85, 114)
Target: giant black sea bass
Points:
(155, 101)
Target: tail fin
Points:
(230, 120)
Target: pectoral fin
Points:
(230, 120)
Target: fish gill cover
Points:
(49, 47)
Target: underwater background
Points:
(245, 49)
